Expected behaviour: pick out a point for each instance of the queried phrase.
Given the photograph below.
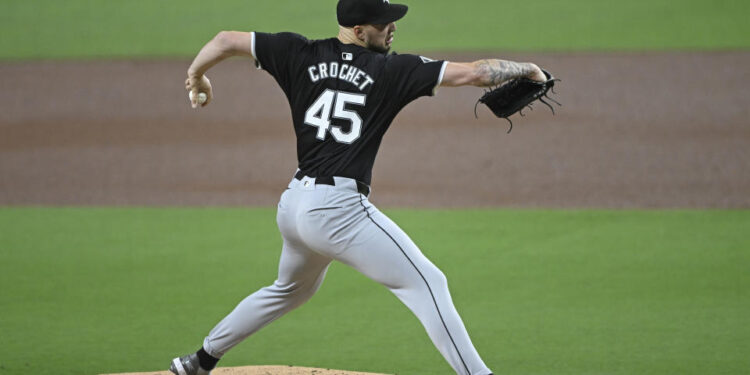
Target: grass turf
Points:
(93, 290)
(146, 28)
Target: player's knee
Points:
(297, 290)
(435, 277)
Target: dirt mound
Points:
(265, 370)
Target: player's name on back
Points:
(345, 72)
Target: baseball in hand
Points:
(201, 97)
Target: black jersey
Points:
(343, 97)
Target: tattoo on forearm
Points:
(495, 72)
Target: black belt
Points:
(362, 187)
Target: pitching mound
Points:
(265, 370)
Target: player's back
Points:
(343, 97)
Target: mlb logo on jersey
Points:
(346, 56)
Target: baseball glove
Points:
(515, 95)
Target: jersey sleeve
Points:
(413, 76)
(276, 53)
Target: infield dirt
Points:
(651, 130)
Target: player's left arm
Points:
(489, 72)
(224, 45)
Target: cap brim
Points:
(395, 12)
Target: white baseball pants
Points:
(320, 223)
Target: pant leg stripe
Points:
(434, 300)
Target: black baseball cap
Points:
(363, 12)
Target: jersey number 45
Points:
(319, 115)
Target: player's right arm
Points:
(489, 72)
(224, 45)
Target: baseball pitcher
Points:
(344, 92)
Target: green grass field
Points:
(92, 290)
(147, 28)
